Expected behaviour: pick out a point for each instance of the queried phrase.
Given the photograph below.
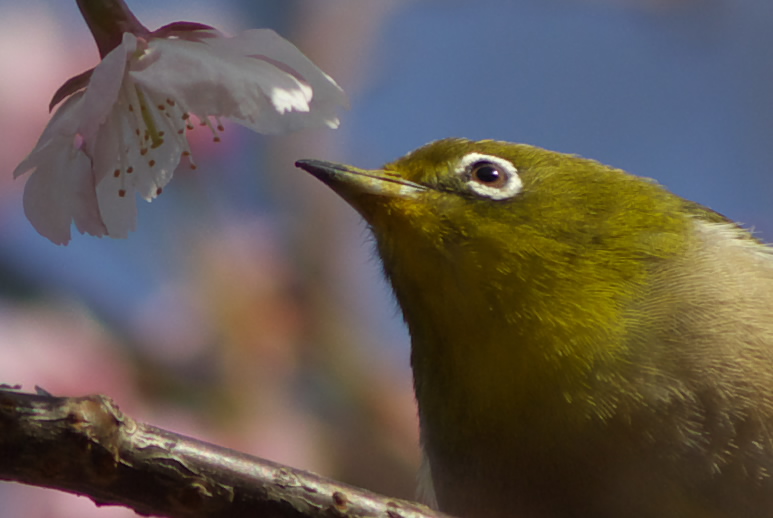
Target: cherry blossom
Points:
(121, 127)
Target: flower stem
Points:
(108, 20)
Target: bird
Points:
(584, 343)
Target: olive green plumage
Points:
(584, 342)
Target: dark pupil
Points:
(487, 174)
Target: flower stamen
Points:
(187, 154)
(214, 129)
(151, 130)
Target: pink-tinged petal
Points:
(63, 124)
(103, 88)
(118, 207)
(85, 210)
(266, 44)
(141, 146)
(61, 186)
(161, 161)
(215, 77)
(209, 82)
(105, 149)
(129, 161)
(46, 204)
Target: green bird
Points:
(584, 342)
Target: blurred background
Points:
(248, 309)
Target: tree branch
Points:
(86, 446)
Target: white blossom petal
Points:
(328, 96)
(208, 82)
(60, 189)
(103, 88)
(236, 78)
(119, 212)
(155, 168)
(142, 142)
(64, 123)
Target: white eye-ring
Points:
(489, 176)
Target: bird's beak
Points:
(352, 183)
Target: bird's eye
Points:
(489, 176)
(486, 173)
